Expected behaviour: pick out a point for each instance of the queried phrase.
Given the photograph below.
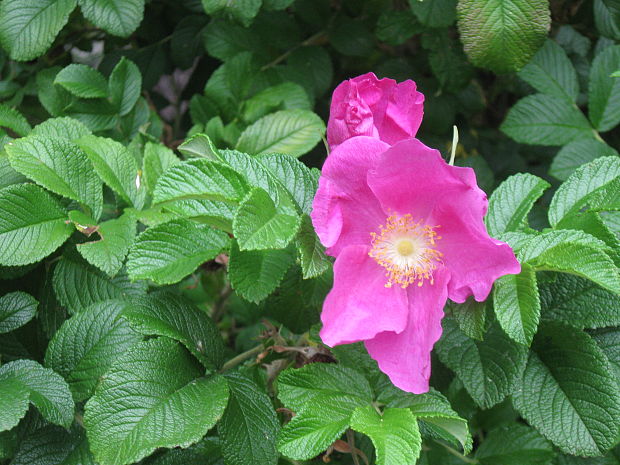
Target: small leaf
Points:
(48, 392)
(200, 145)
(312, 256)
(32, 224)
(168, 252)
(118, 17)
(157, 159)
(88, 343)
(14, 403)
(28, 29)
(470, 316)
(568, 370)
(16, 309)
(177, 318)
(14, 120)
(82, 81)
(243, 11)
(502, 35)
(259, 224)
(151, 384)
(52, 445)
(124, 86)
(514, 444)
(544, 120)
(577, 153)
(511, 202)
(61, 128)
(517, 305)
(293, 132)
(604, 90)
(394, 433)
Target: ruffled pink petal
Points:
(474, 259)
(406, 357)
(403, 114)
(345, 210)
(359, 305)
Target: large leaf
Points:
(261, 224)
(47, 391)
(13, 403)
(124, 86)
(579, 188)
(312, 256)
(60, 166)
(545, 120)
(502, 35)
(32, 224)
(293, 132)
(118, 17)
(434, 13)
(52, 445)
(489, 369)
(511, 202)
(78, 285)
(116, 166)
(16, 309)
(200, 179)
(394, 433)
(88, 343)
(14, 120)
(61, 128)
(254, 274)
(551, 72)
(568, 391)
(157, 159)
(152, 397)
(604, 90)
(82, 81)
(177, 318)
(170, 251)
(577, 153)
(28, 28)
(517, 305)
(514, 444)
(249, 427)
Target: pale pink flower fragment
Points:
(379, 108)
(407, 232)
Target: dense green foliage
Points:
(160, 278)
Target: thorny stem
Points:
(456, 453)
(233, 362)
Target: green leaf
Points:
(285, 96)
(568, 371)
(544, 120)
(118, 17)
(60, 166)
(177, 318)
(14, 120)
(593, 224)
(579, 188)
(124, 86)
(255, 274)
(395, 27)
(574, 252)
(323, 396)
(116, 166)
(61, 128)
(153, 383)
(511, 202)
(28, 29)
(52, 445)
(577, 153)
(16, 309)
(97, 114)
(604, 90)
(517, 305)
(54, 99)
(293, 132)
(13, 403)
(608, 340)
(82, 81)
(514, 444)
(489, 369)
(200, 145)
(502, 35)
(243, 11)
(470, 316)
(8, 176)
(434, 13)
(168, 252)
(157, 159)
(88, 343)
(312, 256)
(78, 285)
(32, 224)
(394, 433)
(249, 427)
(109, 251)
(259, 224)
(579, 302)
(47, 391)
(551, 72)
(200, 179)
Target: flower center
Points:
(406, 249)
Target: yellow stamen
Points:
(406, 249)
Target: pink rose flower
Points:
(380, 108)
(407, 232)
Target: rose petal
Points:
(406, 357)
(345, 210)
(359, 305)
